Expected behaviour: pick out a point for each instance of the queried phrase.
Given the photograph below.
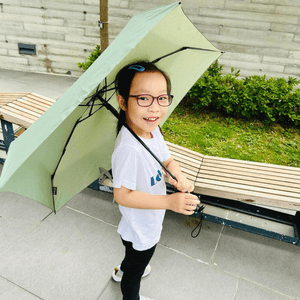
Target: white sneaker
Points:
(118, 273)
(145, 298)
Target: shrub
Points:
(93, 56)
(254, 97)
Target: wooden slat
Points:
(248, 196)
(23, 108)
(9, 97)
(38, 100)
(18, 112)
(27, 105)
(247, 192)
(186, 152)
(251, 173)
(4, 99)
(249, 170)
(15, 118)
(34, 103)
(14, 112)
(250, 164)
(187, 157)
(51, 101)
(186, 160)
(260, 183)
(244, 176)
(249, 187)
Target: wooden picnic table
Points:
(22, 109)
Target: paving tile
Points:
(10, 86)
(18, 216)
(176, 234)
(262, 260)
(9, 291)
(257, 292)
(52, 86)
(97, 204)
(177, 277)
(69, 256)
(10, 74)
(112, 291)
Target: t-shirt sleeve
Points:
(124, 167)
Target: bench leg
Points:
(95, 185)
(8, 133)
(297, 226)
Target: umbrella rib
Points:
(182, 49)
(90, 104)
(97, 92)
(103, 104)
(108, 106)
(54, 189)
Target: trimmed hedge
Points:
(273, 100)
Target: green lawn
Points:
(212, 134)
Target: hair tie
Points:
(137, 68)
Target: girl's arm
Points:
(179, 202)
(182, 184)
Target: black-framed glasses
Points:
(145, 100)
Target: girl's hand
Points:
(183, 203)
(182, 184)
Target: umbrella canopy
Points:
(85, 135)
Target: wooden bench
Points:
(245, 181)
(21, 109)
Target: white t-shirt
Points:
(133, 167)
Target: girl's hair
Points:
(124, 79)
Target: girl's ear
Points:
(121, 102)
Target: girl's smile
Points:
(151, 119)
(143, 120)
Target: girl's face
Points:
(143, 120)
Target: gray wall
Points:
(64, 32)
(259, 36)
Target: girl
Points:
(139, 187)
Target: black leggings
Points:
(133, 266)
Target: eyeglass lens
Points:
(147, 100)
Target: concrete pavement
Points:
(71, 255)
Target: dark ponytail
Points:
(124, 79)
(121, 121)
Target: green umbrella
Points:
(61, 153)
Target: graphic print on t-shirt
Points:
(156, 179)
